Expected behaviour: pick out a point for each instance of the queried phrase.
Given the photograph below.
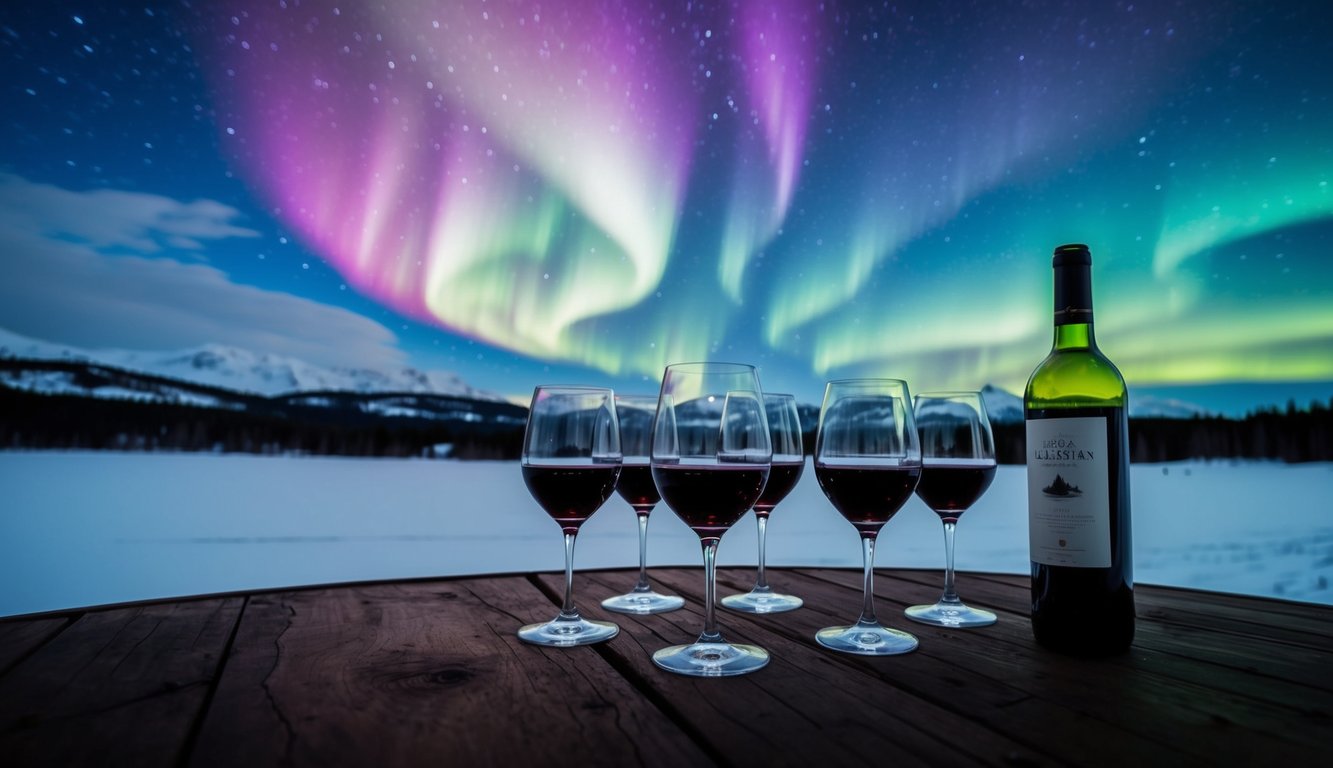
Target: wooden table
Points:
(431, 673)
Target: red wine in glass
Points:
(710, 499)
(711, 453)
(571, 460)
(787, 436)
(636, 487)
(868, 463)
(781, 480)
(950, 487)
(868, 497)
(958, 465)
(571, 494)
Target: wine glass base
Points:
(954, 615)
(756, 601)
(567, 632)
(643, 603)
(867, 640)
(711, 659)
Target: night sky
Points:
(570, 192)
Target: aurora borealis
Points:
(586, 191)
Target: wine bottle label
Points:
(1069, 499)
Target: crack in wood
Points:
(197, 726)
(676, 717)
(1199, 692)
(290, 742)
(54, 632)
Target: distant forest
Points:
(1291, 435)
(495, 430)
(43, 421)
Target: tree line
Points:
(1290, 435)
(45, 421)
(31, 420)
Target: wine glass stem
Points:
(711, 633)
(642, 586)
(950, 596)
(868, 555)
(761, 581)
(567, 609)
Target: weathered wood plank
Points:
(1179, 702)
(429, 672)
(424, 674)
(1276, 620)
(1225, 643)
(1310, 617)
(117, 687)
(1245, 616)
(20, 637)
(993, 678)
(809, 706)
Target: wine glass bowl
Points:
(571, 462)
(710, 459)
(957, 466)
(636, 487)
(786, 435)
(867, 462)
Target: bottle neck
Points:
(1074, 336)
(1073, 305)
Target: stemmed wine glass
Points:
(711, 456)
(636, 486)
(784, 429)
(868, 462)
(957, 466)
(571, 459)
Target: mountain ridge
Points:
(1004, 407)
(271, 375)
(245, 371)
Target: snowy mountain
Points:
(232, 401)
(1151, 406)
(268, 375)
(1001, 406)
(1006, 408)
(239, 370)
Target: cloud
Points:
(110, 218)
(71, 271)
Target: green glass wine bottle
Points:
(1075, 407)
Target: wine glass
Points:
(957, 466)
(571, 459)
(710, 459)
(636, 486)
(868, 462)
(784, 429)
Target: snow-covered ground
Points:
(80, 529)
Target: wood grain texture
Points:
(1187, 699)
(117, 687)
(424, 674)
(992, 681)
(809, 706)
(431, 673)
(22, 637)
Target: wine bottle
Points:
(1075, 408)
